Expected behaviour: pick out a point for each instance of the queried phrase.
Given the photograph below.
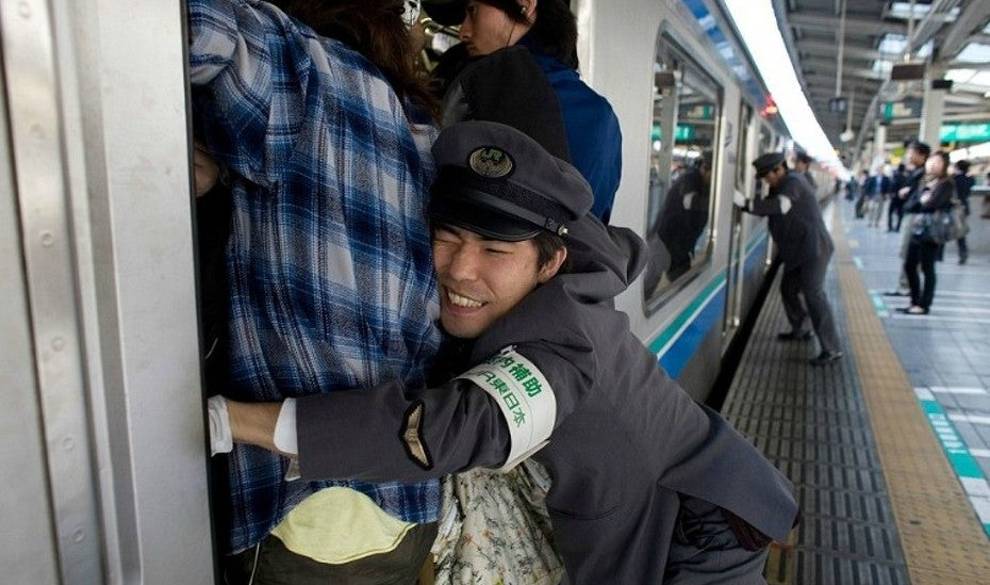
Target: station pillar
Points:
(933, 108)
(879, 145)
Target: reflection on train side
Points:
(686, 112)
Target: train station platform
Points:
(888, 449)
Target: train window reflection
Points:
(684, 136)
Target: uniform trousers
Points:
(705, 551)
(808, 280)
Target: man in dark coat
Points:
(685, 215)
(964, 185)
(648, 486)
(805, 248)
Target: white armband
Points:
(785, 204)
(525, 398)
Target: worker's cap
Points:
(767, 162)
(498, 182)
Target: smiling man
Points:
(647, 486)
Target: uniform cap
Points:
(498, 182)
(768, 161)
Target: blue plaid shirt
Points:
(329, 265)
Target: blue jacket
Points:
(593, 134)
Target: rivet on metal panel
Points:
(79, 535)
(47, 239)
(58, 344)
(68, 444)
(24, 9)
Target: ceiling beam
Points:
(973, 17)
(862, 52)
(856, 26)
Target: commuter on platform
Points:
(549, 30)
(864, 197)
(964, 185)
(318, 301)
(896, 206)
(805, 248)
(936, 194)
(802, 166)
(917, 154)
(880, 187)
(648, 486)
(685, 214)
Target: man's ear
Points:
(528, 8)
(551, 268)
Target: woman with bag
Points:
(932, 206)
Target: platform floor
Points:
(886, 460)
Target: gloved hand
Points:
(221, 438)
(739, 200)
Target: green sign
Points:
(908, 108)
(683, 132)
(966, 132)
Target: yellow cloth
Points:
(338, 525)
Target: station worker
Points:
(648, 486)
(795, 221)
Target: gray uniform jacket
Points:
(799, 229)
(626, 439)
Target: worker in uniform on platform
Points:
(648, 486)
(805, 249)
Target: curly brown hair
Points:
(375, 29)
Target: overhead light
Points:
(757, 25)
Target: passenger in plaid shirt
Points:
(331, 284)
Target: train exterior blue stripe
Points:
(677, 344)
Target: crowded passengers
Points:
(401, 304)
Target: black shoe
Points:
(963, 258)
(896, 293)
(825, 358)
(794, 336)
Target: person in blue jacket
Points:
(548, 29)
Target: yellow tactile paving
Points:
(943, 541)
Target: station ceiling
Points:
(954, 34)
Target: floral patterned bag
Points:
(495, 530)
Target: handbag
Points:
(931, 228)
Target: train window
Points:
(686, 110)
(765, 144)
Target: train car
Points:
(103, 429)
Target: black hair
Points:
(375, 29)
(555, 28)
(804, 157)
(962, 166)
(547, 244)
(921, 148)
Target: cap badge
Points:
(491, 162)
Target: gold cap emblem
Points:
(491, 162)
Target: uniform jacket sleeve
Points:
(365, 434)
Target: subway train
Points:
(103, 425)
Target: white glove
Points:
(739, 200)
(221, 438)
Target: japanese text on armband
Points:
(523, 395)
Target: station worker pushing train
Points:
(647, 486)
(797, 227)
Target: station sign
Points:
(965, 132)
(683, 132)
(907, 108)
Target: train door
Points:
(102, 428)
(737, 238)
(765, 142)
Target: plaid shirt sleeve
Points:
(331, 282)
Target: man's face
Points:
(774, 177)
(487, 29)
(481, 280)
(916, 159)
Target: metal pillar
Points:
(879, 145)
(933, 109)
